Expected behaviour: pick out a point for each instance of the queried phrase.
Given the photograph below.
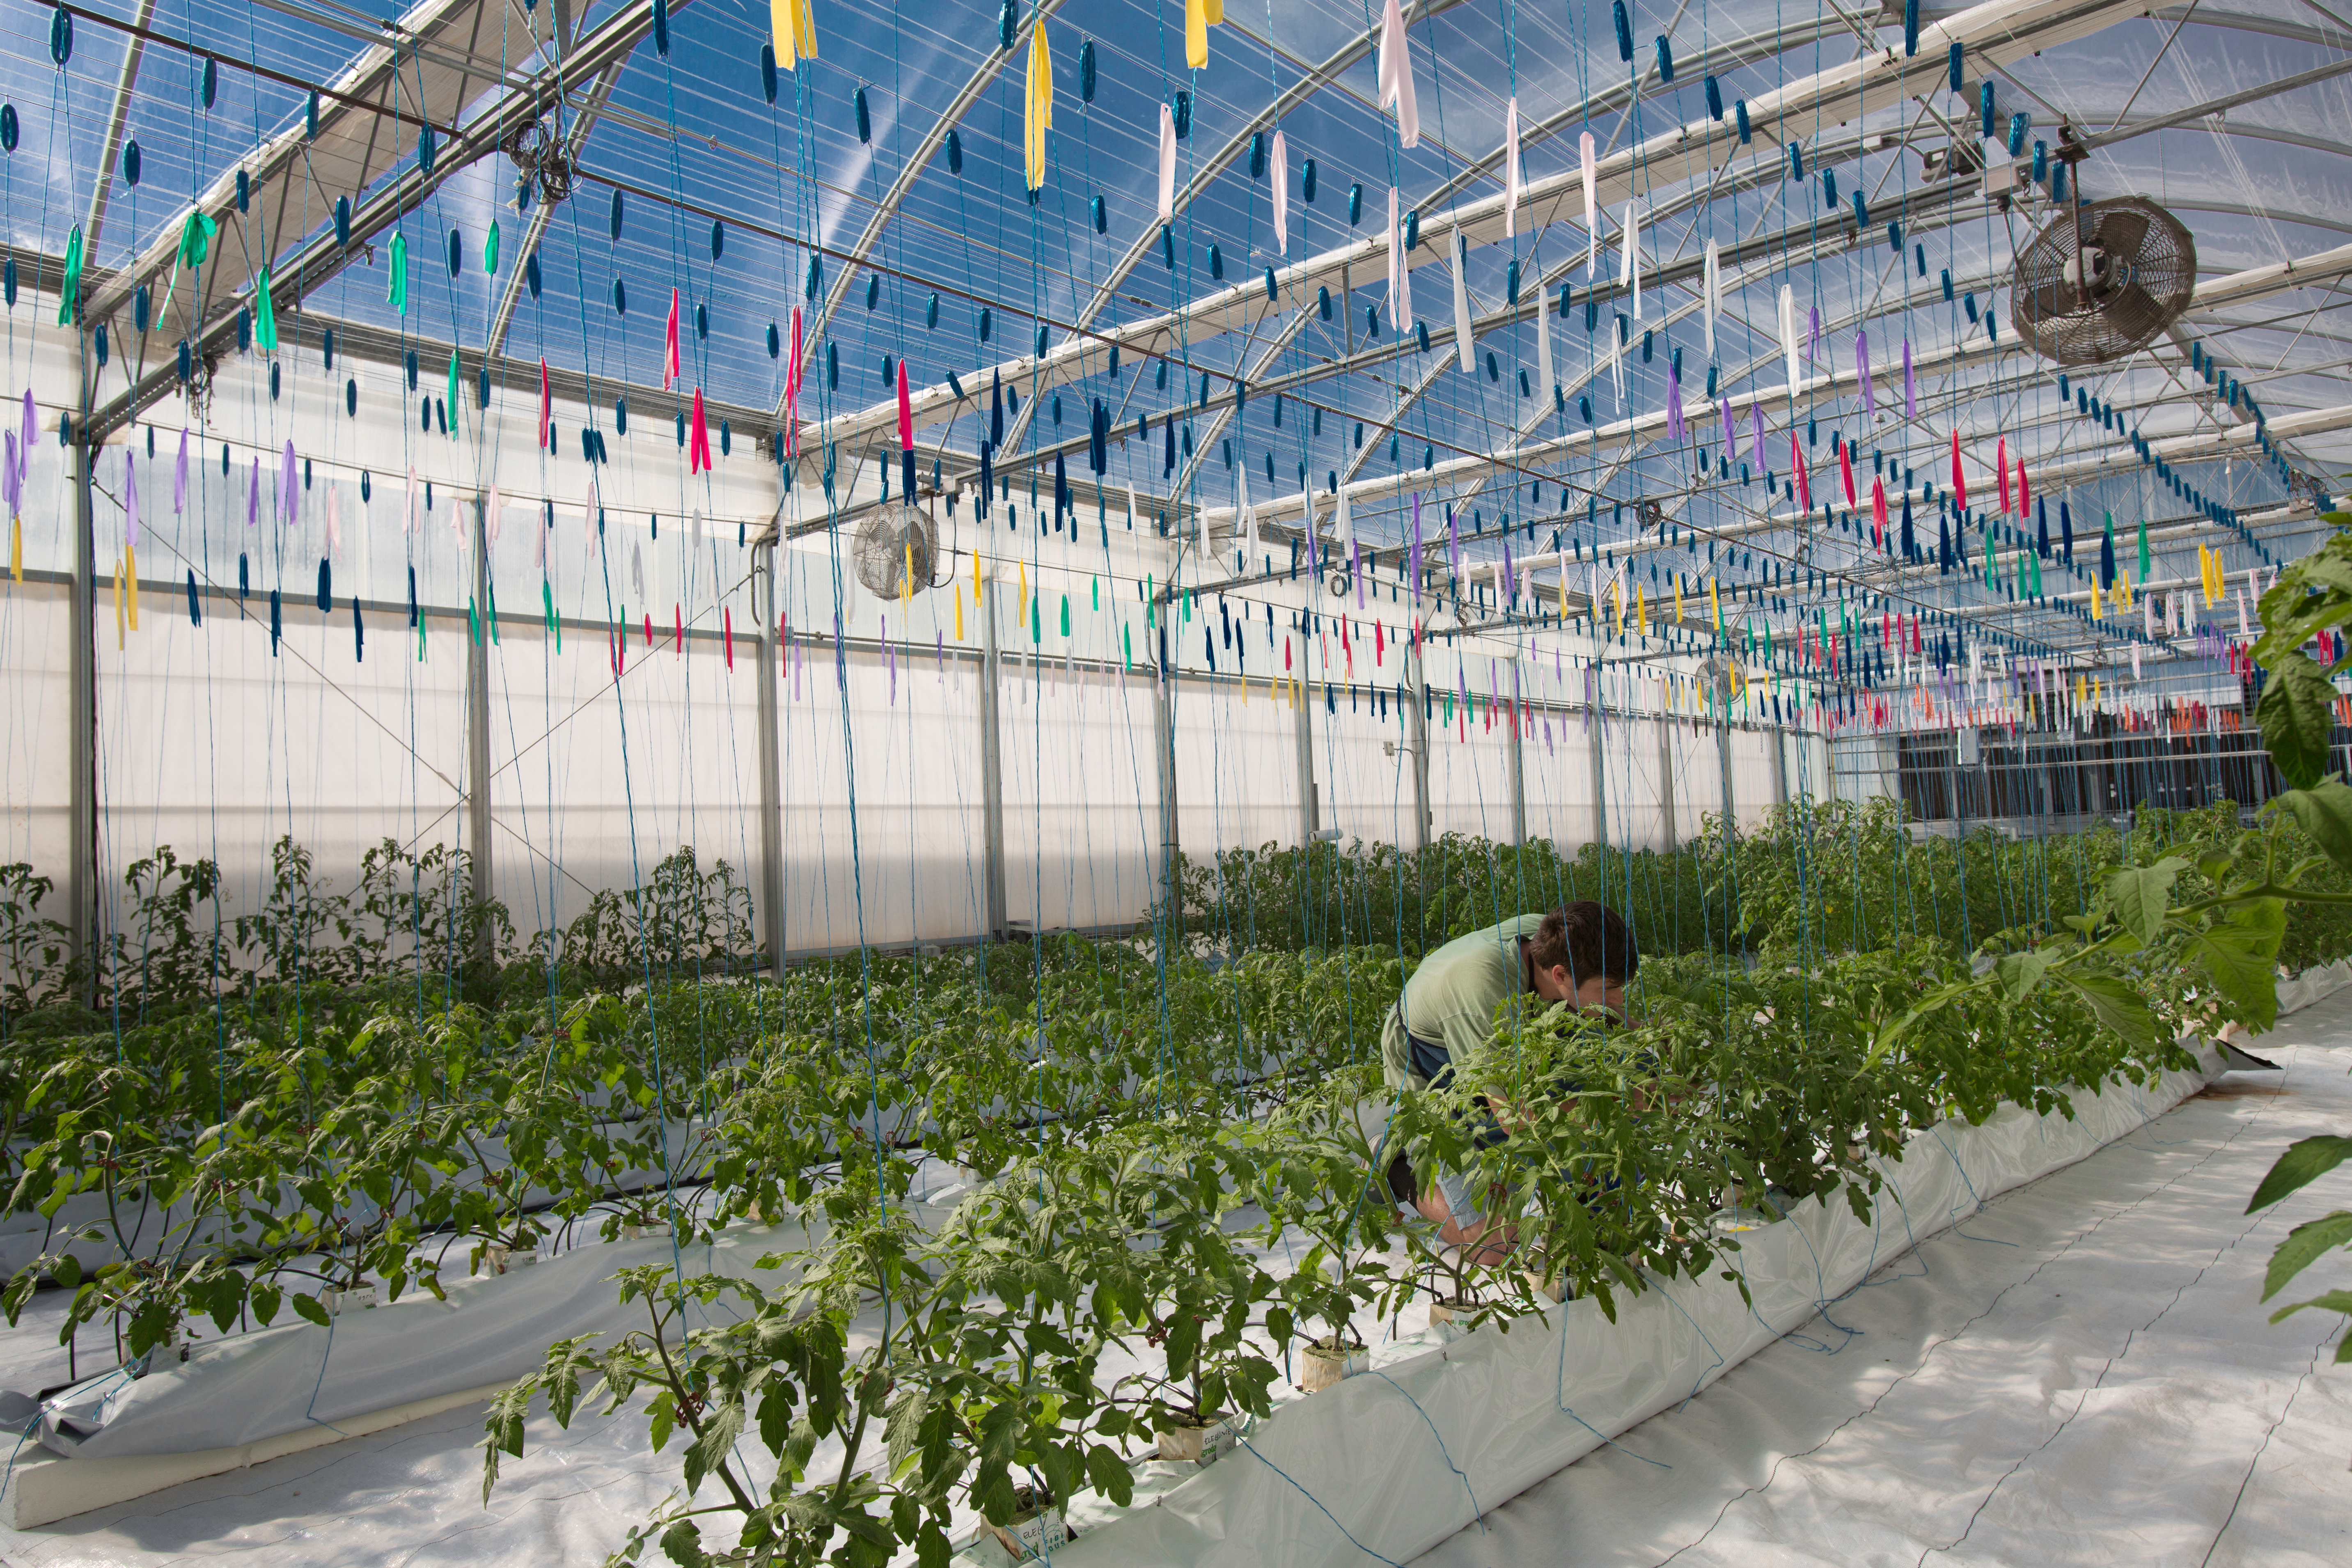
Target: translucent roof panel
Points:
(881, 191)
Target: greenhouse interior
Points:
(1314, 786)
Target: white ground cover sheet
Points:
(2078, 1373)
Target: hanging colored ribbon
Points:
(396, 294)
(1037, 98)
(1396, 76)
(793, 24)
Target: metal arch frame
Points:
(1742, 51)
(878, 220)
(1312, 82)
(320, 257)
(1698, 196)
(1999, 29)
(1825, 238)
(1638, 429)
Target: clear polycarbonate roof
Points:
(894, 160)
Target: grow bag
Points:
(250, 1387)
(1385, 1467)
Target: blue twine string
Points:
(1251, 1448)
(1442, 1452)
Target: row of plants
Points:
(223, 1166)
(409, 920)
(1224, 1250)
(1810, 877)
(1143, 1132)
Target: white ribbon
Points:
(1167, 164)
(1591, 206)
(1396, 75)
(1462, 306)
(1713, 289)
(1281, 173)
(1789, 338)
(1512, 183)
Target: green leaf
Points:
(683, 1541)
(2140, 895)
(2305, 1161)
(2020, 973)
(2324, 812)
(2297, 714)
(903, 1431)
(2303, 1246)
(664, 1412)
(311, 1308)
(67, 1271)
(2117, 1004)
(2331, 1302)
(2239, 955)
(721, 1424)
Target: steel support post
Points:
(1723, 761)
(1164, 745)
(1595, 717)
(1516, 756)
(1666, 777)
(992, 766)
(1417, 726)
(1305, 694)
(81, 866)
(770, 740)
(82, 877)
(477, 729)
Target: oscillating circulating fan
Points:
(1718, 676)
(2102, 281)
(897, 547)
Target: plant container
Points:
(1327, 1362)
(358, 1297)
(507, 1259)
(640, 1232)
(1033, 1535)
(1187, 1445)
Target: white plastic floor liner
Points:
(1387, 1466)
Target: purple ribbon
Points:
(179, 478)
(1862, 372)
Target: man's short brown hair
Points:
(1587, 938)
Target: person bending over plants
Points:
(1581, 953)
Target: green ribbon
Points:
(69, 296)
(455, 406)
(195, 244)
(265, 315)
(398, 294)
